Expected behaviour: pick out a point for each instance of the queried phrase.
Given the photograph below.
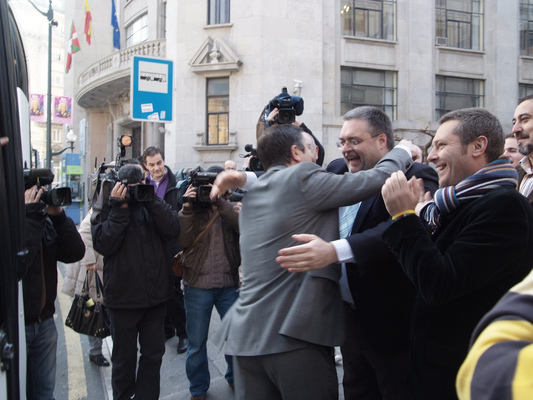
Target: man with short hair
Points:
(523, 132)
(164, 182)
(230, 165)
(510, 150)
(282, 329)
(464, 251)
(378, 297)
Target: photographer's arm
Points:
(186, 219)
(227, 211)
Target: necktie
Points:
(347, 218)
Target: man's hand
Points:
(33, 195)
(190, 193)
(314, 254)
(119, 193)
(225, 181)
(401, 195)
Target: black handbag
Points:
(89, 316)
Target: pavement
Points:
(174, 383)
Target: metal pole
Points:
(50, 16)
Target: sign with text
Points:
(151, 89)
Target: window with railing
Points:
(137, 31)
(455, 93)
(368, 18)
(459, 23)
(218, 12)
(526, 28)
(217, 111)
(367, 87)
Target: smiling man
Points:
(523, 132)
(464, 251)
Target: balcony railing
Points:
(120, 60)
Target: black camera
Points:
(255, 163)
(287, 105)
(41, 177)
(201, 180)
(126, 174)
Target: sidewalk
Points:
(174, 383)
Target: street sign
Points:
(151, 89)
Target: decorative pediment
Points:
(213, 57)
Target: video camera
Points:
(201, 180)
(287, 105)
(107, 175)
(42, 177)
(255, 163)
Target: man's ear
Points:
(296, 154)
(479, 146)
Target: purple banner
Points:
(62, 110)
(37, 108)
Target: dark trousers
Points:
(304, 374)
(145, 326)
(176, 317)
(371, 374)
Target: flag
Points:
(73, 46)
(114, 24)
(88, 23)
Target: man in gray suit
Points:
(282, 329)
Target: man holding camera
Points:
(164, 182)
(50, 237)
(282, 329)
(131, 235)
(210, 274)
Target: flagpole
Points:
(50, 17)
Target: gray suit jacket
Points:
(279, 311)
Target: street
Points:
(79, 379)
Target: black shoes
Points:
(182, 344)
(99, 360)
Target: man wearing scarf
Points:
(464, 250)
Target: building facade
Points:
(416, 59)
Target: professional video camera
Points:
(41, 177)
(288, 106)
(255, 163)
(201, 180)
(107, 175)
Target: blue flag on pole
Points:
(114, 23)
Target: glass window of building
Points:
(137, 31)
(218, 12)
(526, 28)
(366, 87)
(456, 93)
(524, 90)
(368, 18)
(460, 23)
(56, 135)
(217, 111)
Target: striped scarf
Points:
(497, 174)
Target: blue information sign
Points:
(151, 89)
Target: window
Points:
(460, 23)
(456, 93)
(366, 87)
(524, 90)
(218, 12)
(526, 28)
(217, 110)
(137, 31)
(368, 18)
(56, 135)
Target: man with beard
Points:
(523, 132)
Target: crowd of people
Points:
(421, 274)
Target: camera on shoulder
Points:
(41, 177)
(287, 105)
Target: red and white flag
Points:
(73, 46)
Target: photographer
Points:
(210, 276)
(131, 235)
(50, 237)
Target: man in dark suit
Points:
(380, 301)
(282, 329)
(469, 246)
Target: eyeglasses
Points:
(352, 142)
